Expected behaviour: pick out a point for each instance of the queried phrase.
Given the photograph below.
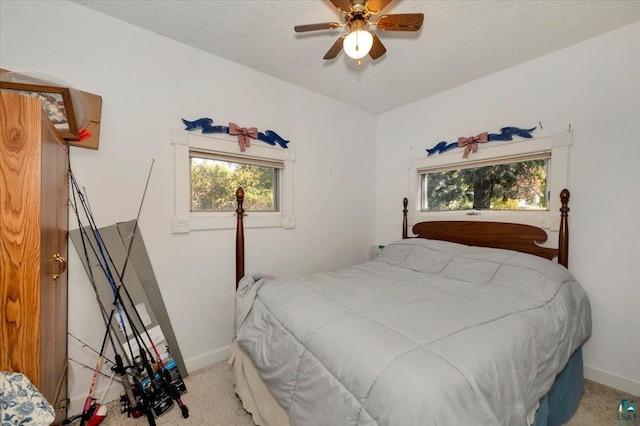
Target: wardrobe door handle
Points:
(62, 265)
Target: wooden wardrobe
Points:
(34, 216)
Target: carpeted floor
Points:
(599, 406)
(212, 401)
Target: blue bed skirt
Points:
(561, 402)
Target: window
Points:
(215, 178)
(208, 170)
(517, 181)
(517, 184)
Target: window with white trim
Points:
(208, 170)
(215, 178)
(545, 159)
(514, 183)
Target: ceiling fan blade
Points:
(315, 27)
(375, 6)
(400, 22)
(335, 49)
(378, 48)
(342, 5)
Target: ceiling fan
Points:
(359, 41)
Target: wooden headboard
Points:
(511, 236)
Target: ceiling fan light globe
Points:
(357, 44)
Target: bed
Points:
(467, 323)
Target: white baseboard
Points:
(207, 360)
(612, 380)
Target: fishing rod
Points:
(87, 405)
(175, 394)
(165, 381)
(122, 372)
(106, 269)
(118, 366)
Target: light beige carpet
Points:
(599, 406)
(212, 401)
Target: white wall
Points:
(594, 86)
(148, 83)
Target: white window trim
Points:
(185, 221)
(558, 178)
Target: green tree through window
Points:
(515, 186)
(214, 184)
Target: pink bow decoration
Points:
(471, 144)
(243, 135)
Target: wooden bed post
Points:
(563, 237)
(239, 236)
(405, 202)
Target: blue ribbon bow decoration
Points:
(207, 127)
(506, 134)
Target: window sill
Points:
(204, 221)
(541, 219)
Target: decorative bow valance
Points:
(470, 144)
(244, 134)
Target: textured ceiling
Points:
(460, 41)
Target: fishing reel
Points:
(125, 406)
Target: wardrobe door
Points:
(33, 247)
(20, 168)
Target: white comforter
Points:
(430, 333)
